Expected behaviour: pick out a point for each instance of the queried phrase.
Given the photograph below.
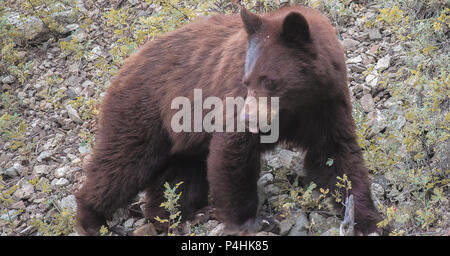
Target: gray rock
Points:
(416, 60)
(217, 230)
(66, 14)
(331, 232)
(129, 223)
(354, 60)
(8, 79)
(284, 158)
(266, 178)
(44, 155)
(399, 122)
(358, 68)
(21, 95)
(286, 225)
(71, 27)
(377, 190)
(11, 215)
(374, 34)
(146, 230)
(81, 36)
(27, 27)
(349, 43)
(367, 103)
(85, 149)
(372, 79)
(25, 191)
(19, 205)
(95, 53)
(87, 83)
(301, 225)
(73, 92)
(140, 222)
(73, 114)
(60, 182)
(271, 189)
(41, 169)
(13, 171)
(74, 68)
(68, 202)
(377, 121)
(383, 63)
(317, 218)
(61, 172)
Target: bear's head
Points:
(292, 58)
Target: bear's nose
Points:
(245, 81)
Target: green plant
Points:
(172, 207)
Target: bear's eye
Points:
(268, 83)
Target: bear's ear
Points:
(295, 28)
(252, 22)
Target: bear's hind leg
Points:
(117, 171)
(191, 170)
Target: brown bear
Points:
(291, 53)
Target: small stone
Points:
(25, 191)
(301, 225)
(271, 189)
(44, 155)
(146, 230)
(85, 149)
(367, 103)
(13, 171)
(18, 205)
(383, 63)
(21, 95)
(68, 202)
(331, 232)
(61, 172)
(418, 59)
(374, 34)
(74, 68)
(73, 114)
(377, 190)
(286, 225)
(357, 59)
(358, 68)
(60, 182)
(87, 83)
(217, 230)
(317, 218)
(349, 43)
(377, 121)
(71, 27)
(140, 222)
(41, 169)
(266, 178)
(95, 53)
(399, 122)
(397, 48)
(81, 36)
(9, 216)
(8, 79)
(372, 79)
(373, 49)
(128, 223)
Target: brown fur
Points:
(136, 149)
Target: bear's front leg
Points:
(233, 172)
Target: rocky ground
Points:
(39, 179)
